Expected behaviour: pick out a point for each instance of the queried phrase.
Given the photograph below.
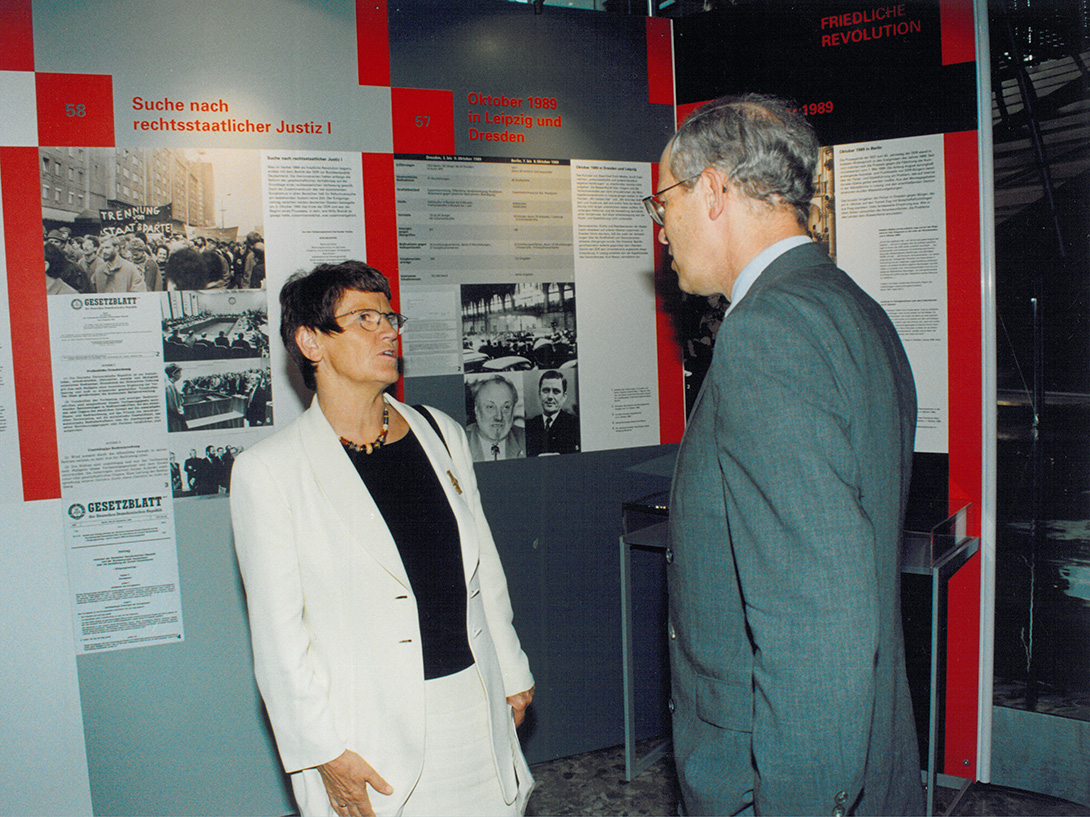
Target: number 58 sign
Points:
(75, 110)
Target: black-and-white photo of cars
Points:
(517, 327)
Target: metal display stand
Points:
(643, 528)
(937, 551)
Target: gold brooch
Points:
(454, 482)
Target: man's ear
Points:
(309, 343)
(717, 192)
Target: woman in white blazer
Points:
(381, 623)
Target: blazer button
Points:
(670, 705)
(673, 632)
(838, 811)
(841, 798)
(669, 556)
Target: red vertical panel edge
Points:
(964, 356)
(380, 219)
(16, 36)
(964, 359)
(683, 111)
(373, 42)
(958, 31)
(32, 370)
(670, 370)
(660, 61)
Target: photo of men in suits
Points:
(493, 434)
(788, 684)
(554, 431)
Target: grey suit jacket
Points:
(789, 684)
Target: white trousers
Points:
(459, 775)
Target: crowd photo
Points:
(140, 260)
(517, 327)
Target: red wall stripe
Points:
(964, 356)
(965, 361)
(16, 36)
(671, 373)
(380, 222)
(373, 42)
(958, 31)
(32, 366)
(660, 61)
(380, 216)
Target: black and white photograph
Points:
(216, 394)
(517, 327)
(151, 219)
(202, 470)
(495, 416)
(552, 411)
(822, 223)
(215, 325)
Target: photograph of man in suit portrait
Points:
(496, 415)
(552, 422)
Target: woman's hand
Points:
(346, 780)
(519, 702)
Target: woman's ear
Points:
(309, 343)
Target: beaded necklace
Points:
(380, 441)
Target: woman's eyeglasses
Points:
(371, 319)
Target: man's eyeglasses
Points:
(371, 319)
(656, 208)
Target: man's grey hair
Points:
(758, 142)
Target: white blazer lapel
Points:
(348, 498)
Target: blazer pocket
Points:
(724, 704)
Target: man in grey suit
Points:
(788, 680)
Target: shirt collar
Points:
(758, 265)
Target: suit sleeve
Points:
(805, 556)
(294, 688)
(497, 602)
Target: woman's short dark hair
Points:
(310, 299)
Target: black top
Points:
(408, 493)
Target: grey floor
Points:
(593, 784)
